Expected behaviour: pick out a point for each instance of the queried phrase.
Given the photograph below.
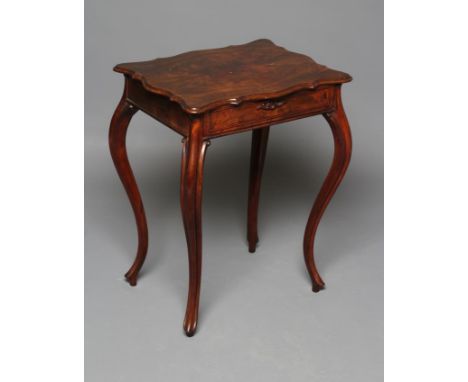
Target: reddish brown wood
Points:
(257, 159)
(205, 79)
(210, 93)
(159, 107)
(117, 137)
(253, 114)
(342, 156)
(191, 199)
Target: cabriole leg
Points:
(193, 155)
(342, 156)
(117, 136)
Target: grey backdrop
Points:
(259, 320)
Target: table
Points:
(211, 93)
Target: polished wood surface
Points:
(191, 185)
(207, 94)
(341, 158)
(205, 79)
(117, 137)
(254, 114)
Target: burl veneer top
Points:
(204, 79)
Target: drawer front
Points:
(249, 115)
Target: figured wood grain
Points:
(210, 93)
(253, 114)
(205, 79)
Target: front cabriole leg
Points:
(193, 155)
(342, 156)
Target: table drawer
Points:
(253, 114)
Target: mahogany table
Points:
(211, 93)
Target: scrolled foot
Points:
(317, 286)
(131, 278)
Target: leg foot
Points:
(131, 278)
(253, 246)
(317, 287)
(342, 156)
(117, 136)
(257, 160)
